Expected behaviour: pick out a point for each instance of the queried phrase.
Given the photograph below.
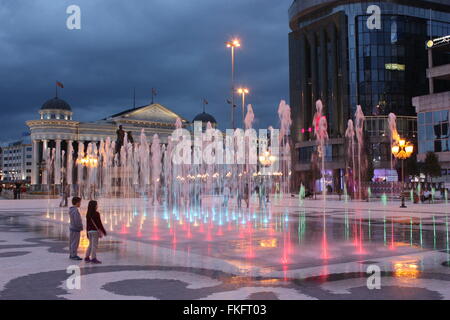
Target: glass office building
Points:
(338, 56)
(433, 109)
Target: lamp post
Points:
(402, 150)
(232, 44)
(243, 92)
(89, 163)
(266, 160)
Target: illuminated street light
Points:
(266, 159)
(402, 150)
(89, 162)
(243, 92)
(235, 43)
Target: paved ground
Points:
(291, 250)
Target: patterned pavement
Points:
(298, 253)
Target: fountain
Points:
(350, 135)
(359, 128)
(392, 124)
(186, 192)
(320, 131)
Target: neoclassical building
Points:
(57, 130)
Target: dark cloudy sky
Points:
(176, 46)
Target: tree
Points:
(431, 167)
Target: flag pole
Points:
(134, 98)
(56, 89)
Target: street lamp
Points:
(243, 92)
(235, 43)
(89, 162)
(266, 159)
(402, 150)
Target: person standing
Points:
(95, 231)
(65, 195)
(239, 196)
(76, 226)
(18, 189)
(226, 196)
(247, 195)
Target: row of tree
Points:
(430, 167)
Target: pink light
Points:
(325, 255)
(155, 233)
(124, 229)
(303, 130)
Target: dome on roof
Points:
(56, 104)
(205, 117)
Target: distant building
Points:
(1, 164)
(433, 109)
(56, 129)
(204, 118)
(16, 161)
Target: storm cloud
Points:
(176, 46)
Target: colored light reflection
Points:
(406, 269)
(268, 243)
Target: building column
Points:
(343, 72)
(430, 65)
(304, 121)
(58, 162)
(323, 70)
(69, 162)
(44, 158)
(34, 163)
(334, 84)
(313, 65)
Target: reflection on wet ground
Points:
(273, 247)
(274, 240)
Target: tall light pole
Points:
(232, 44)
(243, 92)
(402, 150)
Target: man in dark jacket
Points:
(76, 226)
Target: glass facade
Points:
(333, 152)
(388, 75)
(400, 41)
(400, 22)
(377, 127)
(336, 57)
(434, 132)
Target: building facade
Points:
(56, 130)
(336, 55)
(433, 109)
(17, 161)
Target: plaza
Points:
(317, 169)
(289, 250)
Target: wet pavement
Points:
(289, 250)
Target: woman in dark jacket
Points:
(95, 230)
